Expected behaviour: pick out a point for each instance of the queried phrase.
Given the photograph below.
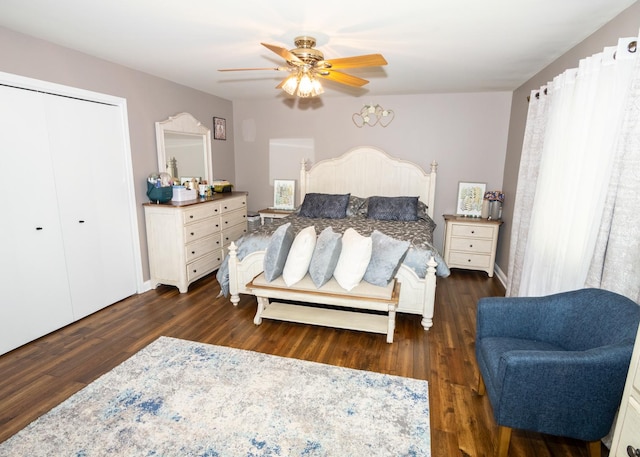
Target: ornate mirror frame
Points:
(184, 124)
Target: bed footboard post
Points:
(233, 274)
(429, 294)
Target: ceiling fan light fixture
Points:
(290, 85)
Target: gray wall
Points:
(624, 25)
(149, 99)
(465, 133)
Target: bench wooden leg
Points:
(392, 323)
(262, 304)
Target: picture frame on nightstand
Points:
(284, 192)
(470, 196)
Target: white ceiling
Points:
(431, 46)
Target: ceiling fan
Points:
(306, 64)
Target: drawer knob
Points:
(193, 252)
(81, 222)
(191, 217)
(473, 231)
(471, 245)
(468, 260)
(195, 271)
(38, 228)
(633, 452)
(192, 233)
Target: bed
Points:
(362, 172)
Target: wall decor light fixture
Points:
(371, 115)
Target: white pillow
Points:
(354, 259)
(299, 256)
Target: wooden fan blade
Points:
(369, 60)
(282, 52)
(249, 69)
(279, 86)
(344, 78)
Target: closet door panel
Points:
(33, 280)
(87, 146)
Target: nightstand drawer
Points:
(480, 246)
(469, 260)
(471, 231)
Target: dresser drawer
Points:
(193, 232)
(471, 231)
(233, 234)
(477, 245)
(202, 247)
(233, 204)
(629, 435)
(468, 260)
(204, 265)
(199, 212)
(232, 218)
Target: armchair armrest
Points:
(559, 388)
(510, 317)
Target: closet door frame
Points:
(9, 79)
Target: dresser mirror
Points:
(184, 148)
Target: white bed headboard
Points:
(366, 171)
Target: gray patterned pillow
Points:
(277, 251)
(386, 255)
(328, 206)
(357, 206)
(393, 208)
(325, 256)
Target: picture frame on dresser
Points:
(284, 192)
(470, 196)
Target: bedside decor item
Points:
(219, 128)
(284, 191)
(470, 198)
(495, 199)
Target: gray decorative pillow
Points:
(393, 208)
(357, 206)
(277, 251)
(386, 255)
(328, 206)
(325, 256)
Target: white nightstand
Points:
(470, 243)
(273, 213)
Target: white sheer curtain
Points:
(570, 149)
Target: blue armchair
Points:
(555, 364)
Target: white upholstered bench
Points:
(364, 296)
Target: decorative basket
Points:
(159, 194)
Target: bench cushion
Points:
(362, 290)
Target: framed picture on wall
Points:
(284, 191)
(219, 128)
(470, 195)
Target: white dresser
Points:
(471, 243)
(626, 438)
(188, 240)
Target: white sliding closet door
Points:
(87, 144)
(34, 292)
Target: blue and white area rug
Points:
(179, 398)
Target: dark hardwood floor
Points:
(41, 374)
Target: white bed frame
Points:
(363, 171)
